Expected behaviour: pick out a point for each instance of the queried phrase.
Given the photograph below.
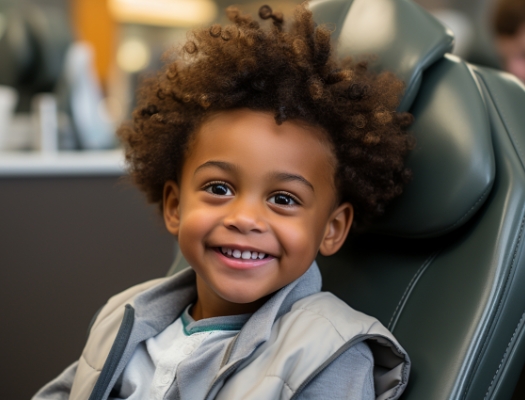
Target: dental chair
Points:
(444, 269)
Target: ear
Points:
(171, 207)
(337, 229)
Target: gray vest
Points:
(297, 320)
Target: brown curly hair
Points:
(509, 15)
(287, 70)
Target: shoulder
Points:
(110, 314)
(325, 309)
(325, 326)
(324, 315)
(328, 316)
(116, 302)
(156, 293)
(317, 330)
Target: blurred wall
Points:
(66, 245)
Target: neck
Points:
(209, 304)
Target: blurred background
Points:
(69, 68)
(73, 230)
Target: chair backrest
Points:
(445, 268)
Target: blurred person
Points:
(509, 28)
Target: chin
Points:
(240, 293)
(240, 297)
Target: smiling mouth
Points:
(241, 254)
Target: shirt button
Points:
(165, 379)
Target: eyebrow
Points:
(226, 166)
(286, 177)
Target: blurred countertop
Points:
(62, 163)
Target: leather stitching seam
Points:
(504, 355)
(498, 308)
(409, 289)
(501, 298)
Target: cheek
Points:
(195, 226)
(299, 240)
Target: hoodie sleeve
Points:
(60, 387)
(349, 377)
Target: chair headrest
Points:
(404, 37)
(453, 162)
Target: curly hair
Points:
(289, 70)
(509, 15)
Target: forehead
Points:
(253, 139)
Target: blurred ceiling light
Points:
(133, 55)
(163, 12)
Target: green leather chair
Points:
(445, 268)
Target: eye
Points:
(218, 189)
(283, 199)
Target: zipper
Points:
(115, 354)
(222, 377)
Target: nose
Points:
(245, 216)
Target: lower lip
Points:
(239, 263)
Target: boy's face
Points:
(255, 204)
(512, 52)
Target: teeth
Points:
(245, 255)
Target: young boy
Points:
(261, 150)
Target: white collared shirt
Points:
(152, 368)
